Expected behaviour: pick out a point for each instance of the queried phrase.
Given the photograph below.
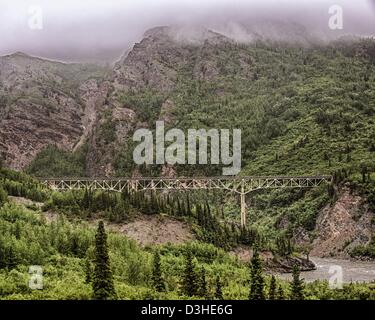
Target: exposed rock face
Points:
(342, 226)
(93, 93)
(155, 64)
(101, 152)
(38, 111)
(151, 63)
(125, 120)
(155, 61)
(43, 102)
(47, 102)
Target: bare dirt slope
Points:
(156, 229)
(342, 226)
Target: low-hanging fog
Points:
(101, 30)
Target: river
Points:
(352, 271)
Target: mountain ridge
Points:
(160, 65)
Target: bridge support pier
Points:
(243, 204)
(243, 210)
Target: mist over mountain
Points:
(100, 31)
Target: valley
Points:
(303, 109)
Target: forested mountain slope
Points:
(303, 109)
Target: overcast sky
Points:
(89, 30)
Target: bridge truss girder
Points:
(239, 185)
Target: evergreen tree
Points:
(200, 214)
(103, 280)
(88, 271)
(188, 206)
(296, 285)
(154, 207)
(74, 244)
(87, 199)
(3, 196)
(363, 172)
(17, 230)
(183, 207)
(157, 278)
(189, 281)
(2, 254)
(218, 289)
(280, 293)
(179, 211)
(202, 286)
(256, 278)
(272, 290)
(12, 260)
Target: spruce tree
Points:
(218, 289)
(17, 230)
(189, 281)
(179, 211)
(256, 278)
(363, 172)
(74, 244)
(280, 293)
(188, 206)
(103, 280)
(86, 201)
(3, 196)
(88, 271)
(157, 278)
(272, 290)
(154, 206)
(199, 212)
(296, 285)
(202, 286)
(12, 259)
(183, 207)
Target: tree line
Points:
(193, 281)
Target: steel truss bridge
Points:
(237, 185)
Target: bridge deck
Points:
(239, 185)
(182, 178)
(234, 184)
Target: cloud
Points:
(101, 30)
